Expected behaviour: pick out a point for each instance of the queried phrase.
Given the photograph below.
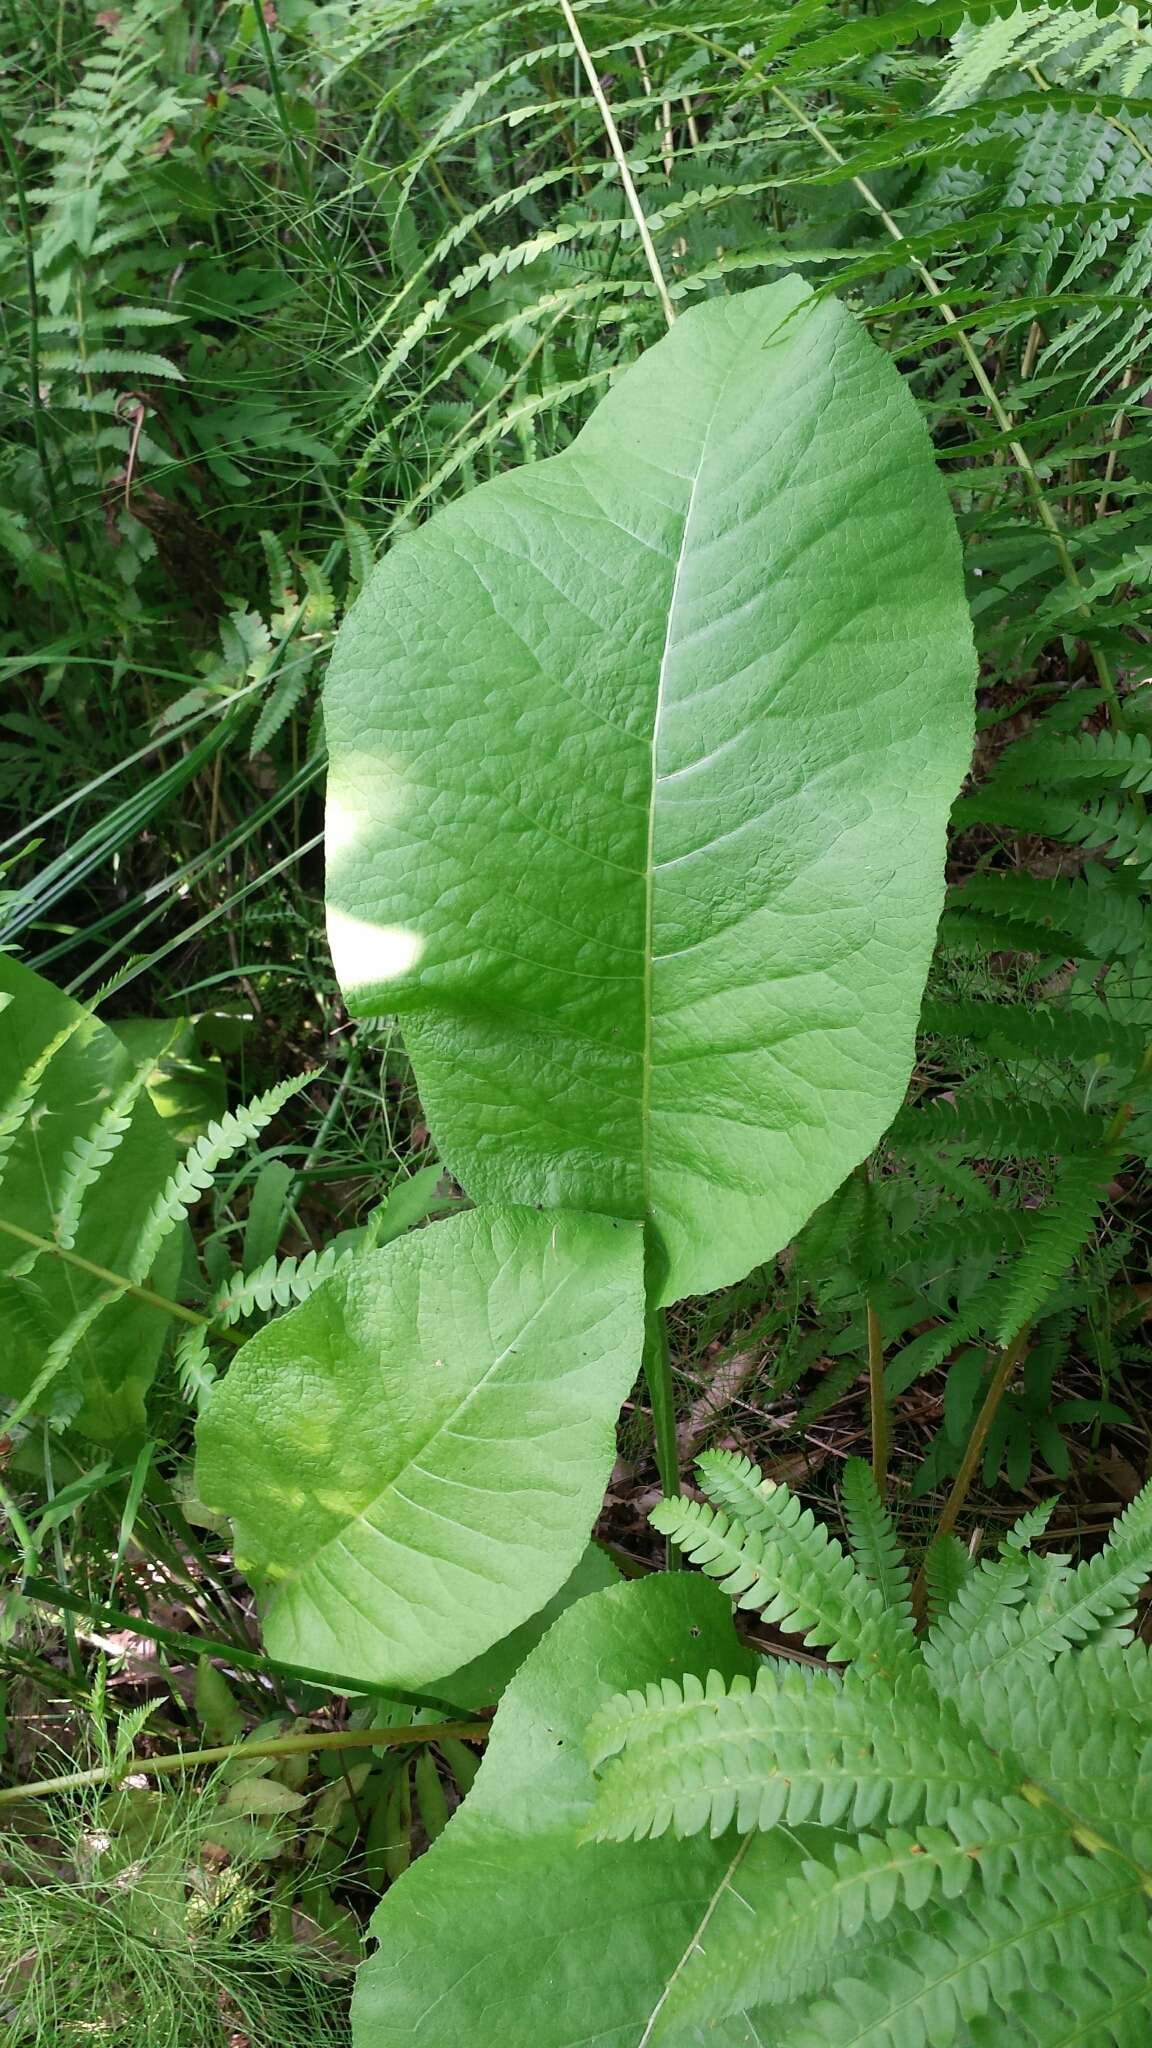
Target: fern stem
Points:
(294, 150)
(661, 1393)
(877, 1400)
(1114, 440)
(276, 1745)
(117, 1280)
(1010, 1358)
(617, 148)
(36, 403)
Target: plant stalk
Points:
(1010, 1358)
(117, 1280)
(877, 1401)
(657, 1363)
(48, 1594)
(276, 1745)
(36, 402)
(617, 148)
(294, 148)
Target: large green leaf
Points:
(92, 1363)
(641, 760)
(512, 1932)
(480, 1683)
(413, 1458)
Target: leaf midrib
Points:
(694, 1942)
(365, 1515)
(654, 784)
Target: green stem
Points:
(117, 1280)
(617, 148)
(1010, 1358)
(36, 402)
(294, 150)
(277, 1745)
(878, 1401)
(662, 1397)
(49, 1594)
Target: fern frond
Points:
(320, 598)
(1074, 1606)
(14, 1113)
(1098, 915)
(947, 1569)
(102, 362)
(792, 1748)
(1027, 1527)
(993, 1128)
(57, 1358)
(198, 1169)
(1106, 825)
(115, 318)
(281, 701)
(778, 1558)
(1074, 1743)
(1014, 38)
(361, 555)
(277, 1283)
(1033, 1031)
(818, 1915)
(194, 1369)
(875, 1544)
(982, 1595)
(1105, 759)
(89, 1155)
(279, 569)
(928, 1351)
(986, 1951)
(951, 1235)
(1056, 1235)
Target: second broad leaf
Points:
(412, 1459)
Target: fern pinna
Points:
(995, 1214)
(965, 1814)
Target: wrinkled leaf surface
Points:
(413, 1458)
(641, 759)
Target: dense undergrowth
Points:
(277, 283)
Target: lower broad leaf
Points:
(412, 1459)
(480, 1683)
(514, 1932)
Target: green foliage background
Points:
(277, 282)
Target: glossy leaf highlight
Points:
(641, 760)
(413, 1458)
